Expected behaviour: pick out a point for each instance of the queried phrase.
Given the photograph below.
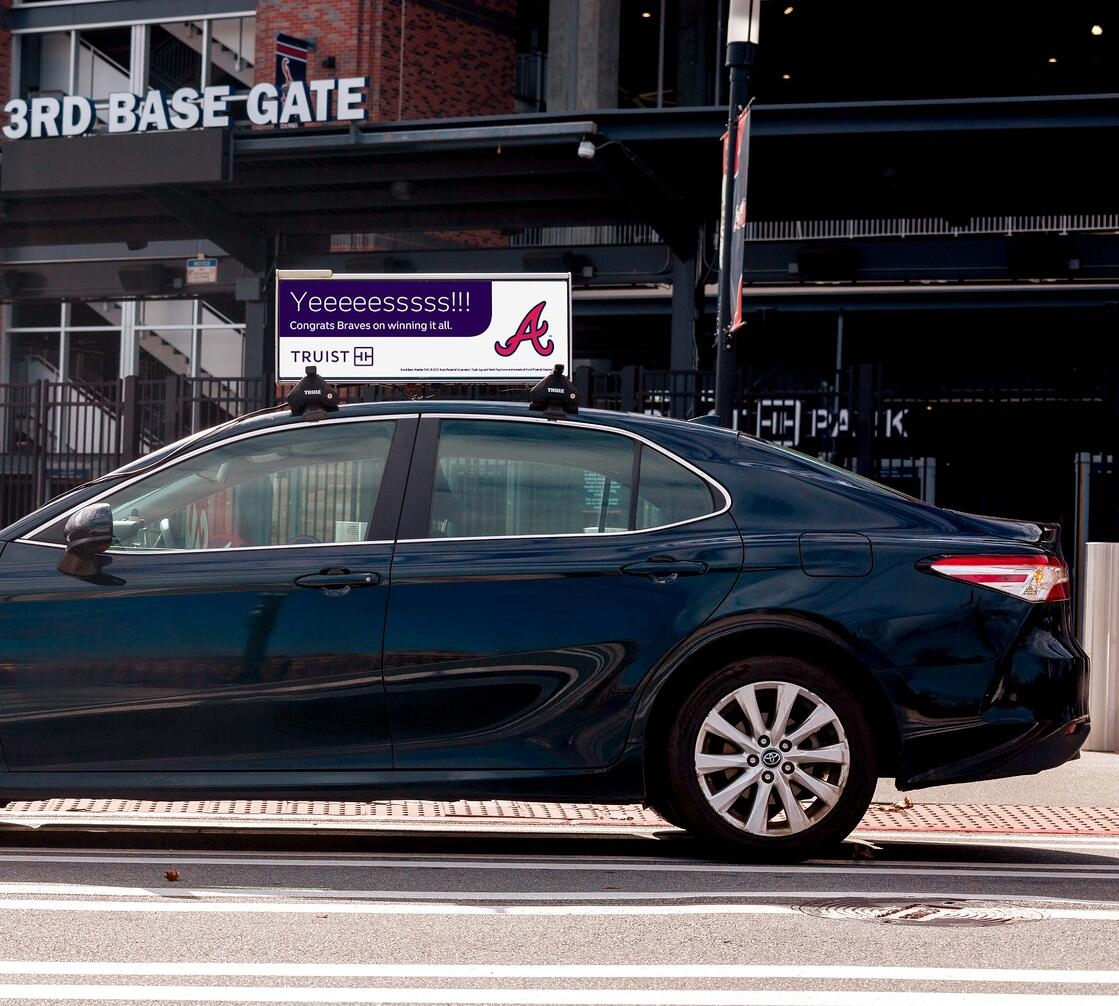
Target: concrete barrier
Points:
(1101, 640)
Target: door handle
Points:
(665, 569)
(337, 580)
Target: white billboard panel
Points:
(436, 327)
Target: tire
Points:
(745, 780)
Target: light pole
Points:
(742, 44)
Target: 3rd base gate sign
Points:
(381, 328)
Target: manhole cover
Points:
(923, 913)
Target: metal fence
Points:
(927, 442)
(56, 435)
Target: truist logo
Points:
(531, 329)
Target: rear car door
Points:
(237, 624)
(542, 569)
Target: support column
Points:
(138, 71)
(681, 348)
(129, 340)
(259, 348)
(583, 41)
(5, 346)
(64, 343)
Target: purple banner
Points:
(440, 308)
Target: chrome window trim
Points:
(225, 549)
(571, 534)
(29, 539)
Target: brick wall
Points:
(425, 58)
(459, 59)
(339, 28)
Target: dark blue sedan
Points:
(443, 600)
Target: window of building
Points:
(647, 54)
(83, 341)
(97, 62)
(876, 50)
(179, 52)
(64, 342)
(194, 338)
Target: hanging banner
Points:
(737, 257)
(440, 327)
(291, 67)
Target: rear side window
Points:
(507, 479)
(669, 493)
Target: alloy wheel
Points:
(772, 758)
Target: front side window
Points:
(305, 485)
(504, 479)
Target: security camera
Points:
(586, 150)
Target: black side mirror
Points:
(89, 531)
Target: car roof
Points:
(654, 427)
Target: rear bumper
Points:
(1043, 746)
(1034, 716)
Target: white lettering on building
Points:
(188, 108)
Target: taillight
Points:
(1030, 577)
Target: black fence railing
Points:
(55, 435)
(933, 442)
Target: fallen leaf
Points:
(171, 875)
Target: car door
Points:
(533, 589)
(237, 623)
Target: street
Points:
(476, 917)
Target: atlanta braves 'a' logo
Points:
(531, 329)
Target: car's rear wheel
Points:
(771, 755)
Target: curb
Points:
(513, 816)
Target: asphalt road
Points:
(542, 920)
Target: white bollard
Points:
(1101, 640)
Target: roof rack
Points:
(555, 396)
(312, 398)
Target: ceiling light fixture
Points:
(1052, 59)
(789, 9)
(646, 13)
(1097, 29)
(785, 76)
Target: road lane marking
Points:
(1027, 871)
(178, 893)
(542, 997)
(538, 972)
(453, 908)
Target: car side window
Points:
(668, 493)
(496, 479)
(314, 483)
(506, 479)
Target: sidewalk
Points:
(1080, 798)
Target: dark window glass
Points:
(291, 487)
(515, 479)
(668, 493)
